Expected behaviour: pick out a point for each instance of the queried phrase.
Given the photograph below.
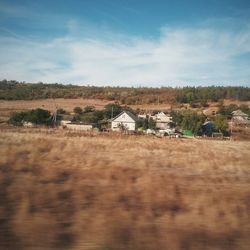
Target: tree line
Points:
(196, 96)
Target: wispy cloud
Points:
(87, 55)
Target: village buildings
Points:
(162, 124)
(162, 121)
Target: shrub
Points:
(112, 110)
(204, 103)
(221, 124)
(78, 110)
(17, 118)
(227, 110)
(88, 109)
(61, 111)
(189, 120)
(36, 116)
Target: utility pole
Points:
(112, 110)
(231, 130)
(54, 114)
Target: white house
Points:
(240, 117)
(162, 120)
(125, 120)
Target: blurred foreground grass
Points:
(62, 190)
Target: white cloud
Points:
(180, 56)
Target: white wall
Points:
(78, 127)
(128, 125)
(125, 120)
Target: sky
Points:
(126, 42)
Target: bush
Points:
(204, 103)
(227, 110)
(93, 117)
(221, 124)
(36, 116)
(244, 108)
(17, 118)
(147, 123)
(112, 110)
(88, 109)
(61, 111)
(189, 120)
(78, 110)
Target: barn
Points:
(124, 121)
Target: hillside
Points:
(13, 90)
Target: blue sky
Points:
(126, 43)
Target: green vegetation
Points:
(88, 109)
(221, 124)
(89, 115)
(195, 96)
(35, 116)
(227, 110)
(147, 123)
(78, 110)
(61, 111)
(189, 120)
(112, 110)
(17, 118)
(213, 93)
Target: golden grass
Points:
(6, 107)
(67, 190)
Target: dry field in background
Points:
(6, 107)
(66, 190)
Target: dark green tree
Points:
(78, 110)
(17, 118)
(112, 110)
(38, 116)
(88, 109)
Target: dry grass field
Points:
(67, 190)
(7, 107)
